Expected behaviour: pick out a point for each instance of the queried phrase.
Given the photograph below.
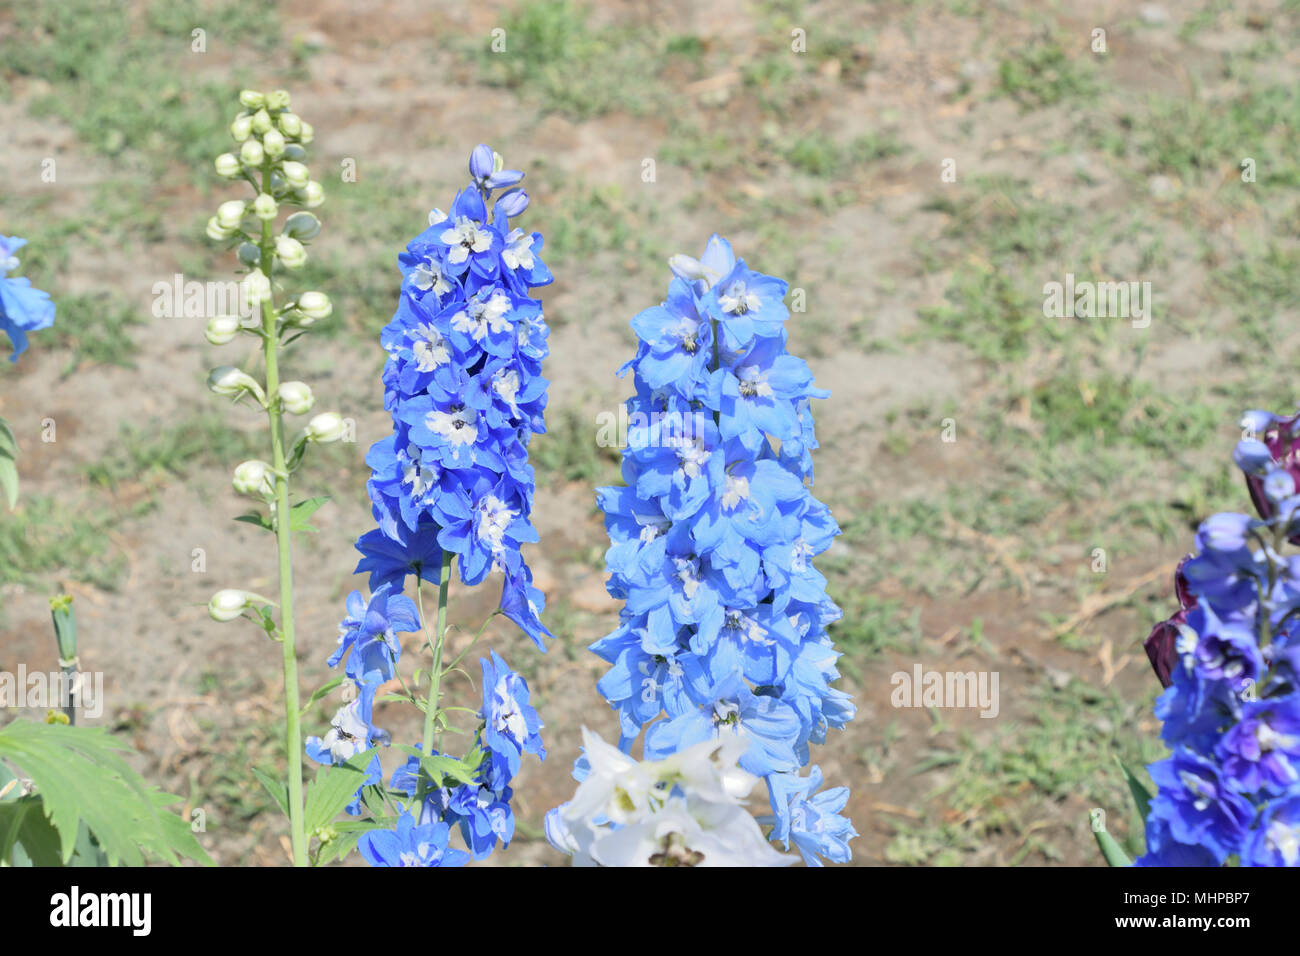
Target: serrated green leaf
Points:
(79, 775)
(278, 789)
(332, 790)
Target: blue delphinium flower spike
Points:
(1230, 662)
(712, 540)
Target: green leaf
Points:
(440, 765)
(303, 510)
(257, 518)
(1110, 848)
(321, 692)
(79, 776)
(8, 464)
(332, 790)
(278, 789)
(1141, 795)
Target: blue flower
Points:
(713, 536)
(510, 723)
(811, 820)
(370, 632)
(1275, 841)
(23, 308)
(410, 845)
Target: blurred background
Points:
(1040, 543)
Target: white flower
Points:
(231, 214)
(256, 478)
(230, 381)
(296, 397)
(227, 165)
(228, 604)
(464, 237)
(290, 124)
(251, 99)
(519, 251)
(687, 810)
(222, 329)
(457, 426)
(251, 153)
(261, 121)
(313, 194)
(296, 174)
(273, 143)
(290, 252)
(241, 128)
(326, 427)
(314, 305)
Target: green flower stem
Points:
(435, 675)
(283, 532)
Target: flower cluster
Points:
(479, 803)
(452, 483)
(463, 383)
(1229, 661)
(712, 540)
(23, 308)
(685, 810)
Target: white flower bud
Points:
(273, 143)
(296, 174)
(290, 252)
(222, 329)
(315, 305)
(232, 382)
(326, 427)
(251, 99)
(257, 289)
(265, 207)
(231, 214)
(251, 153)
(296, 397)
(307, 134)
(290, 124)
(261, 122)
(217, 232)
(277, 100)
(313, 194)
(256, 478)
(227, 165)
(229, 604)
(241, 127)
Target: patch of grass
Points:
(582, 222)
(570, 451)
(1191, 137)
(151, 455)
(820, 155)
(988, 310)
(1043, 74)
(49, 537)
(871, 625)
(1067, 747)
(96, 329)
(556, 58)
(116, 71)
